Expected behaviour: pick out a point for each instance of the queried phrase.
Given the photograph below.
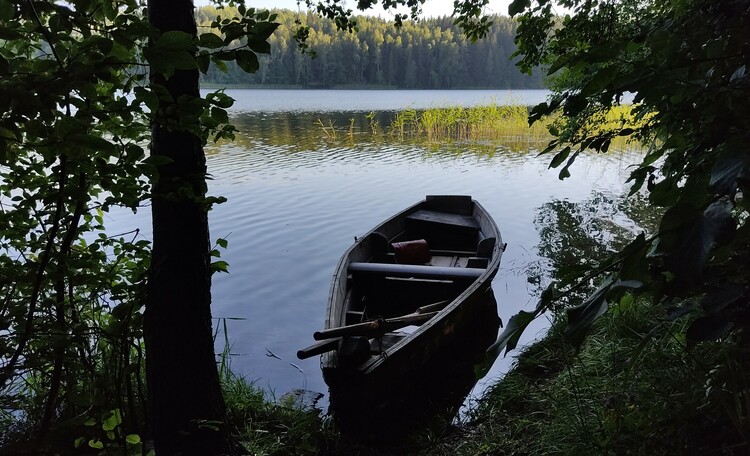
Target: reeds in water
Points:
(490, 122)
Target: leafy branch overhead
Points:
(682, 65)
(469, 15)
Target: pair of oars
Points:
(331, 337)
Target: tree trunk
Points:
(186, 407)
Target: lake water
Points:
(297, 197)
(282, 100)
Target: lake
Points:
(306, 175)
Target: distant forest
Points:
(428, 54)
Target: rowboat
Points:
(409, 300)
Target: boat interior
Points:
(388, 286)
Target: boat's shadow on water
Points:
(394, 414)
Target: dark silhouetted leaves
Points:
(730, 165)
(513, 330)
(247, 60)
(690, 236)
(710, 327)
(581, 317)
(518, 6)
(722, 297)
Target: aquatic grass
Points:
(328, 130)
(488, 122)
(503, 124)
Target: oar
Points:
(318, 348)
(432, 307)
(331, 343)
(375, 326)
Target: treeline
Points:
(429, 54)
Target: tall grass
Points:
(490, 122)
(505, 124)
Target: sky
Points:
(430, 7)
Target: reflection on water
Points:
(576, 236)
(301, 101)
(298, 132)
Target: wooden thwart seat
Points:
(444, 219)
(417, 271)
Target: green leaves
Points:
(732, 163)
(173, 50)
(210, 40)
(7, 10)
(518, 7)
(71, 143)
(133, 439)
(247, 60)
(685, 65)
(688, 237)
(91, 142)
(112, 420)
(508, 339)
(582, 316)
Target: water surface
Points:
(297, 198)
(290, 100)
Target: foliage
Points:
(426, 54)
(684, 62)
(265, 426)
(71, 149)
(467, 14)
(77, 111)
(631, 388)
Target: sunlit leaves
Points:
(133, 439)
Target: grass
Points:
(490, 122)
(633, 388)
(265, 426)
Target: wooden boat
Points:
(404, 301)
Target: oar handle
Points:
(431, 307)
(318, 348)
(358, 328)
(374, 327)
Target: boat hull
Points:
(407, 375)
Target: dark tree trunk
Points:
(186, 407)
